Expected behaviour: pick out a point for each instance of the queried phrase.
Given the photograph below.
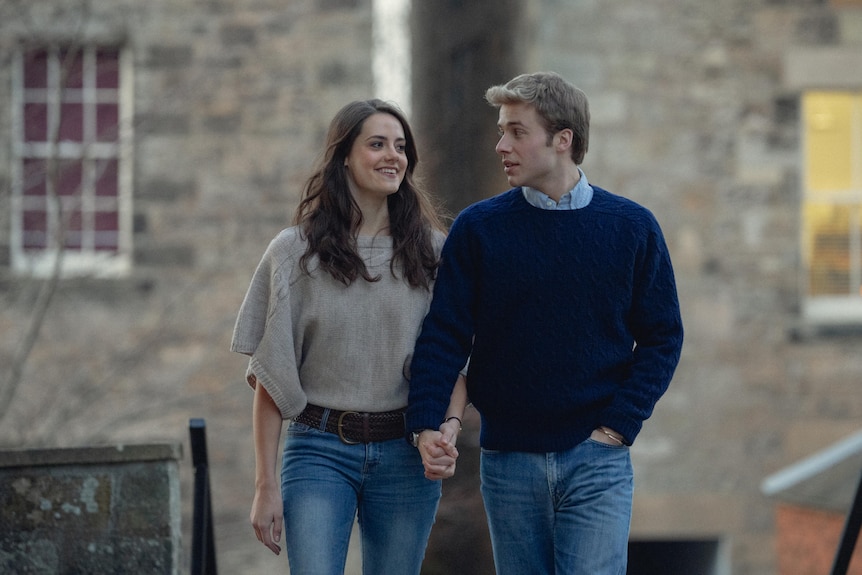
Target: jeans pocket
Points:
(295, 428)
(604, 445)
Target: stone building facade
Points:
(697, 114)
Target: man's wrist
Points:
(613, 435)
(414, 436)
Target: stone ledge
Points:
(89, 455)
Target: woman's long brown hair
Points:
(330, 218)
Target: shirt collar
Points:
(575, 199)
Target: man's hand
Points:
(607, 436)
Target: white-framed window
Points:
(832, 207)
(71, 173)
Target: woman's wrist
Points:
(454, 418)
(452, 422)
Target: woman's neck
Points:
(375, 217)
(375, 223)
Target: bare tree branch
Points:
(48, 287)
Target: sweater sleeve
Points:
(264, 331)
(656, 324)
(445, 340)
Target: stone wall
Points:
(232, 99)
(695, 115)
(99, 510)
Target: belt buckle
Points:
(341, 428)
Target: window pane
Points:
(74, 221)
(107, 221)
(71, 122)
(69, 179)
(36, 122)
(106, 178)
(107, 241)
(36, 69)
(107, 225)
(35, 226)
(107, 122)
(34, 178)
(74, 225)
(72, 68)
(830, 262)
(107, 69)
(73, 240)
(828, 141)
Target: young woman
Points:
(330, 320)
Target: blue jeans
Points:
(325, 484)
(565, 513)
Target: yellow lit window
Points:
(831, 214)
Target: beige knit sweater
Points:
(314, 340)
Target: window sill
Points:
(829, 317)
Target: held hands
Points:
(438, 450)
(267, 517)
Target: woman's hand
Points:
(267, 517)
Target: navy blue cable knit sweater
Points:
(570, 319)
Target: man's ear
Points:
(563, 139)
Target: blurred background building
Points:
(167, 142)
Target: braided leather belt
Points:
(354, 426)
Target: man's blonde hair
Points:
(560, 105)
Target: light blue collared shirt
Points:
(575, 199)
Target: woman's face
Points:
(377, 160)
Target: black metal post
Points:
(203, 545)
(850, 536)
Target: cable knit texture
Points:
(572, 319)
(314, 340)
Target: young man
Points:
(563, 297)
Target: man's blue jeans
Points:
(565, 513)
(325, 484)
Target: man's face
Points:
(528, 154)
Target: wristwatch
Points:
(414, 437)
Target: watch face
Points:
(415, 438)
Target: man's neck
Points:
(557, 188)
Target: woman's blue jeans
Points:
(564, 513)
(326, 484)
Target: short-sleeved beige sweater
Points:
(314, 340)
